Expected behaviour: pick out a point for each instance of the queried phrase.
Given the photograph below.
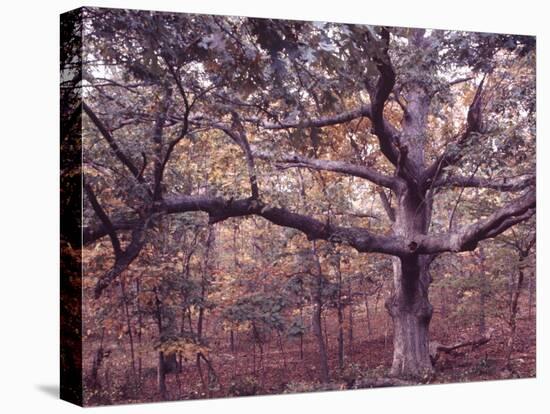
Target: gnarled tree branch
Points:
(111, 141)
(517, 183)
(379, 96)
(452, 153)
(324, 121)
(299, 161)
(108, 225)
(467, 238)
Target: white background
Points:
(29, 205)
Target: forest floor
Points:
(244, 371)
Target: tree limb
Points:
(298, 161)
(219, 209)
(94, 232)
(468, 238)
(517, 183)
(158, 132)
(452, 153)
(379, 96)
(361, 239)
(123, 260)
(386, 204)
(104, 219)
(324, 121)
(238, 135)
(111, 141)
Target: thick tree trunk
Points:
(409, 306)
(411, 313)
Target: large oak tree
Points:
(420, 115)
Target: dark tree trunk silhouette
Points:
(317, 325)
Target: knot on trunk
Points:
(413, 246)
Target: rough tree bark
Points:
(411, 313)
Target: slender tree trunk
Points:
(514, 307)
(282, 348)
(340, 337)
(254, 355)
(317, 331)
(97, 361)
(443, 302)
(317, 319)
(482, 300)
(369, 325)
(129, 327)
(161, 378)
(201, 375)
(325, 331)
(531, 289)
(366, 302)
(350, 320)
(340, 314)
(204, 282)
(161, 372)
(190, 321)
(483, 290)
(140, 328)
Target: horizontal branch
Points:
(219, 209)
(386, 132)
(324, 121)
(298, 161)
(517, 183)
(435, 348)
(97, 231)
(509, 222)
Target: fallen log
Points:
(436, 348)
